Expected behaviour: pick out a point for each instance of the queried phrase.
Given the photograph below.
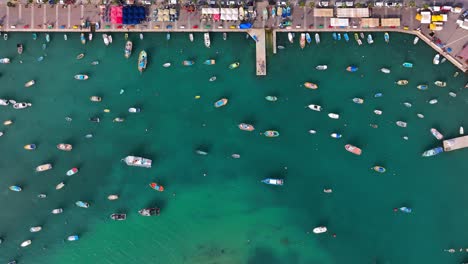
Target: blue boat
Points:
(408, 65)
(188, 63)
(15, 188)
(73, 238)
(254, 37)
(422, 87)
(387, 37)
(334, 36)
(273, 181)
(378, 95)
(209, 62)
(34, 36)
(82, 204)
(352, 68)
(41, 58)
(433, 152)
(346, 37)
(168, 36)
(339, 36)
(308, 39)
(406, 209)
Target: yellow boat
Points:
(30, 147)
(234, 65)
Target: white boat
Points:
(321, 67)
(134, 110)
(461, 130)
(436, 59)
(291, 37)
(190, 37)
(320, 229)
(433, 101)
(167, 65)
(385, 70)
(106, 39)
(4, 60)
(369, 39)
(73, 238)
(420, 115)
(312, 131)
(65, 37)
(206, 36)
(335, 135)
(212, 79)
(57, 211)
(59, 186)
(141, 36)
(35, 229)
(21, 105)
(4, 102)
(377, 112)
(407, 104)
(113, 197)
(401, 123)
(333, 116)
(137, 161)
(110, 39)
(315, 107)
(317, 38)
(452, 94)
(224, 36)
(437, 134)
(26, 243)
(415, 41)
(90, 36)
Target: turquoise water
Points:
(228, 216)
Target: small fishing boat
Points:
(64, 147)
(21, 105)
(433, 101)
(4, 102)
(353, 149)
(73, 238)
(407, 64)
(167, 65)
(105, 38)
(95, 119)
(319, 230)
(310, 85)
(302, 41)
(188, 63)
(60, 186)
(377, 95)
(157, 187)
(333, 116)
(291, 37)
(42, 196)
(118, 120)
(26, 243)
(369, 39)
(137, 161)
(72, 171)
(385, 70)
(30, 147)
(65, 37)
(141, 36)
(234, 65)
(80, 56)
(19, 48)
(201, 152)
(362, 35)
(315, 107)
(352, 68)
(433, 152)
(142, 60)
(15, 188)
(95, 63)
(440, 83)
(95, 98)
(149, 211)
(406, 210)
(420, 115)
(35, 229)
(191, 37)
(379, 169)
(271, 133)
(34, 36)
(401, 123)
(47, 37)
(210, 62)
(224, 36)
(402, 82)
(81, 77)
(334, 36)
(335, 135)
(443, 60)
(207, 40)
(118, 217)
(168, 36)
(90, 36)
(8, 122)
(436, 134)
(128, 49)
(246, 127)
(271, 98)
(271, 181)
(82, 204)
(30, 83)
(4, 60)
(308, 39)
(312, 131)
(452, 94)
(346, 37)
(317, 38)
(358, 40)
(461, 130)
(212, 79)
(387, 37)
(110, 39)
(44, 167)
(436, 59)
(57, 211)
(358, 100)
(321, 67)
(422, 87)
(112, 197)
(82, 38)
(339, 36)
(134, 110)
(221, 102)
(407, 104)
(415, 41)
(281, 47)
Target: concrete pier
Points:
(456, 143)
(274, 42)
(260, 50)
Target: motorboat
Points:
(82, 38)
(207, 40)
(352, 68)
(57, 211)
(369, 39)
(420, 115)
(321, 67)
(377, 95)
(137, 161)
(64, 147)
(15, 188)
(221, 102)
(60, 186)
(105, 38)
(188, 63)
(353, 149)
(210, 62)
(358, 40)
(315, 107)
(405, 209)
(21, 105)
(407, 64)
(246, 127)
(82, 204)
(271, 181)
(65, 37)
(41, 196)
(118, 217)
(128, 49)
(156, 187)
(310, 85)
(41, 58)
(141, 36)
(339, 36)
(34, 36)
(212, 79)
(327, 190)
(271, 133)
(112, 197)
(385, 70)
(95, 119)
(302, 41)
(35, 229)
(280, 47)
(319, 230)
(80, 56)
(334, 36)
(440, 83)
(271, 98)
(4, 102)
(436, 134)
(224, 36)
(90, 36)
(333, 116)
(47, 37)
(81, 77)
(415, 41)
(134, 110)
(436, 59)
(167, 65)
(308, 39)
(311, 131)
(234, 65)
(191, 37)
(433, 152)
(30, 147)
(402, 82)
(149, 211)
(346, 37)
(407, 104)
(7, 122)
(19, 48)
(401, 124)
(422, 87)
(142, 60)
(461, 130)
(26, 243)
(452, 94)
(110, 39)
(72, 171)
(335, 135)
(73, 238)
(94, 62)
(433, 101)
(4, 60)
(201, 152)
(379, 169)
(235, 156)
(44, 167)
(317, 38)
(95, 98)
(291, 37)
(358, 100)
(387, 37)
(362, 35)
(118, 120)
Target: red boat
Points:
(157, 187)
(353, 149)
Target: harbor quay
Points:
(451, 40)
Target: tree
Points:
(412, 3)
(311, 4)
